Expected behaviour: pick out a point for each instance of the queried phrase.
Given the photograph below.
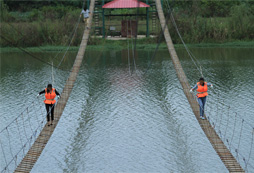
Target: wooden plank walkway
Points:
(225, 155)
(36, 149)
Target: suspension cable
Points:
(31, 55)
(128, 47)
(169, 11)
(33, 131)
(136, 34)
(74, 33)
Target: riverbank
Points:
(33, 24)
(122, 44)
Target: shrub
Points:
(241, 22)
(5, 15)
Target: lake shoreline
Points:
(122, 44)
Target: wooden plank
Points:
(232, 165)
(35, 151)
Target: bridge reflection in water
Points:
(34, 152)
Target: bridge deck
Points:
(34, 152)
(36, 149)
(225, 155)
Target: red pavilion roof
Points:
(125, 4)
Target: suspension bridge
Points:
(41, 135)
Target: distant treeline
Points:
(51, 22)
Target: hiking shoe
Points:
(202, 117)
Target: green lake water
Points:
(125, 117)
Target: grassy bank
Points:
(195, 31)
(33, 25)
(122, 44)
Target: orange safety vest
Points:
(202, 90)
(50, 97)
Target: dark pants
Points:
(201, 102)
(50, 109)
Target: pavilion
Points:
(121, 4)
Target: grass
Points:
(122, 44)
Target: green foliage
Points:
(5, 15)
(28, 5)
(35, 23)
(216, 8)
(35, 15)
(40, 33)
(57, 12)
(129, 11)
(238, 25)
(242, 22)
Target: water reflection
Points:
(139, 122)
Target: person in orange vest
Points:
(50, 94)
(202, 92)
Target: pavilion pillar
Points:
(103, 20)
(88, 4)
(147, 20)
(147, 23)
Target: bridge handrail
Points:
(205, 124)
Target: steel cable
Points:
(16, 117)
(33, 56)
(190, 54)
(233, 130)
(24, 126)
(128, 47)
(185, 80)
(29, 140)
(251, 146)
(239, 141)
(169, 11)
(4, 156)
(29, 121)
(22, 148)
(22, 34)
(10, 144)
(227, 124)
(136, 35)
(75, 30)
